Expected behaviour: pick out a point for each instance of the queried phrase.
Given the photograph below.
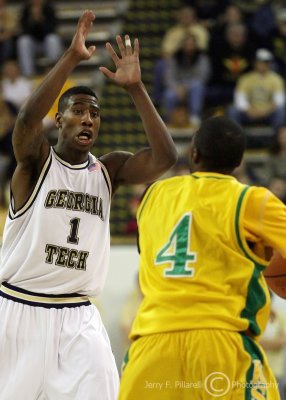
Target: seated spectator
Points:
(7, 31)
(15, 87)
(276, 165)
(38, 23)
(7, 161)
(186, 76)
(187, 24)
(230, 58)
(259, 94)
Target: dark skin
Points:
(78, 123)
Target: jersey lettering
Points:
(65, 257)
(75, 201)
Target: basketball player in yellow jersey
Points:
(204, 240)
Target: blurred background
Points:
(198, 58)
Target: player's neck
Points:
(71, 156)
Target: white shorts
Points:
(53, 348)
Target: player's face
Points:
(79, 123)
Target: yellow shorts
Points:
(198, 365)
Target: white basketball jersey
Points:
(59, 241)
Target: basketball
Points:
(275, 275)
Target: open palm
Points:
(128, 70)
(78, 44)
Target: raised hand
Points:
(78, 45)
(128, 71)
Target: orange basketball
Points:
(275, 275)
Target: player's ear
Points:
(195, 155)
(58, 119)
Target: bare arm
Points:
(30, 146)
(149, 163)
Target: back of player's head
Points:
(72, 91)
(220, 143)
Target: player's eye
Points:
(94, 114)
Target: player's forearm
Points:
(37, 106)
(161, 143)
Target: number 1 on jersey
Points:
(176, 251)
(73, 237)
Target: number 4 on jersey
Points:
(176, 251)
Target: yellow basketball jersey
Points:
(196, 268)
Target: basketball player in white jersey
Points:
(53, 345)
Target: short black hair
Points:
(70, 92)
(221, 143)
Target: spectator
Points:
(259, 94)
(15, 87)
(187, 23)
(232, 16)
(7, 31)
(38, 22)
(276, 165)
(186, 76)
(230, 59)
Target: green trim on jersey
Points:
(256, 297)
(125, 360)
(254, 377)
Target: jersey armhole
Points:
(241, 240)
(106, 176)
(16, 214)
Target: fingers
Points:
(120, 45)
(107, 72)
(136, 47)
(91, 50)
(128, 47)
(112, 53)
(85, 21)
(126, 50)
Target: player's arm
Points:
(265, 219)
(30, 146)
(149, 163)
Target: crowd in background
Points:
(229, 57)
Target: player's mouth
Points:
(84, 137)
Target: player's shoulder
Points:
(174, 181)
(258, 195)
